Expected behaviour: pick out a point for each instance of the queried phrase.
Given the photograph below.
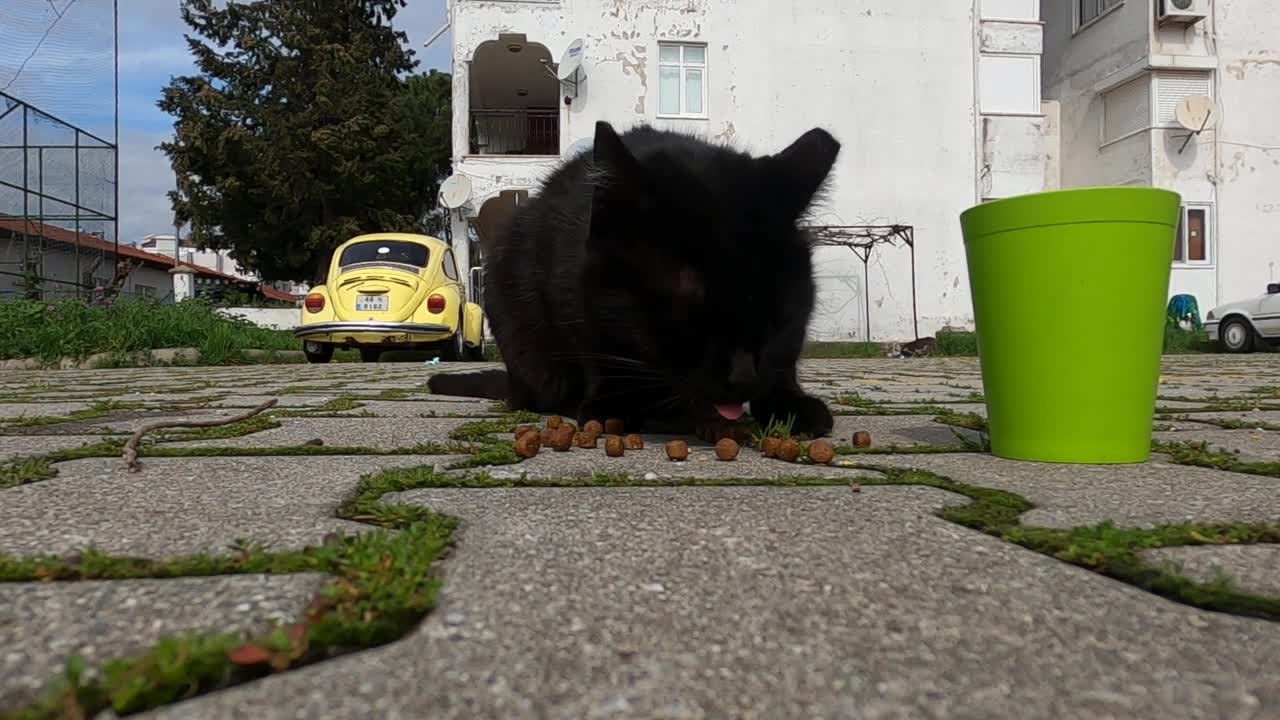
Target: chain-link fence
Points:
(59, 162)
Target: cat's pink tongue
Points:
(730, 411)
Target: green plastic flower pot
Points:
(1069, 291)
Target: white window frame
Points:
(1210, 244)
(1078, 17)
(684, 67)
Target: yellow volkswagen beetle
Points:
(391, 291)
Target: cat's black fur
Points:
(654, 277)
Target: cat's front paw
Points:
(808, 415)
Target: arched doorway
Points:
(514, 99)
(485, 228)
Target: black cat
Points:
(658, 279)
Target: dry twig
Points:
(131, 447)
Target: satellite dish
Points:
(579, 147)
(455, 191)
(1196, 113)
(570, 61)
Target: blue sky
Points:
(69, 75)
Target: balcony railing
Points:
(515, 132)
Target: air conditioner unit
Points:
(1181, 12)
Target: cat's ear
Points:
(621, 187)
(610, 158)
(796, 174)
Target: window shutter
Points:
(1127, 109)
(1172, 86)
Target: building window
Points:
(145, 291)
(682, 80)
(1192, 244)
(1126, 110)
(1090, 10)
(1171, 86)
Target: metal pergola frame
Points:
(863, 240)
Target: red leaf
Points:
(249, 654)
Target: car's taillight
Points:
(314, 303)
(436, 304)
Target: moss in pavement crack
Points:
(1200, 454)
(99, 409)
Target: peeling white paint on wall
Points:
(897, 81)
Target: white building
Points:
(1119, 68)
(216, 260)
(937, 104)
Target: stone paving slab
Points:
(769, 603)
(690, 602)
(1255, 568)
(1132, 495)
(378, 433)
(652, 463)
(43, 625)
(179, 506)
(900, 430)
(426, 408)
(12, 446)
(9, 412)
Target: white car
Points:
(1239, 327)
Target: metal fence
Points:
(515, 132)
(59, 146)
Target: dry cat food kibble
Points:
(862, 439)
(822, 452)
(613, 446)
(594, 427)
(727, 449)
(614, 426)
(789, 451)
(554, 422)
(586, 440)
(528, 444)
(633, 442)
(678, 450)
(562, 438)
(769, 446)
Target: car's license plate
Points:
(372, 303)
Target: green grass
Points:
(840, 350)
(1180, 342)
(71, 328)
(950, 343)
(957, 343)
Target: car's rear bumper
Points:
(345, 328)
(1211, 327)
